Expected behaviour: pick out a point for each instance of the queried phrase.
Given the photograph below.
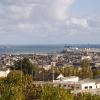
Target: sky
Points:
(49, 22)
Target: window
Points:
(96, 87)
(72, 87)
(64, 85)
(90, 87)
(77, 87)
(68, 85)
(86, 87)
(59, 85)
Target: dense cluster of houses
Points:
(67, 59)
(70, 57)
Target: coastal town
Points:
(49, 49)
(66, 58)
(47, 63)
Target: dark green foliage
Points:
(25, 65)
(86, 71)
(96, 72)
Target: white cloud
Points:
(58, 9)
(50, 18)
(80, 22)
(25, 26)
(17, 12)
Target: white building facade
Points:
(73, 82)
(4, 72)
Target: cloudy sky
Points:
(49, 21)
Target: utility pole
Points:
(52, 71)
(32, 73)
(42, 71)
(21, 75)
(21, 69)
(32, 67)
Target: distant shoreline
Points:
(41, 49)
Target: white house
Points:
(71, 79)
(73, 82)
(4, 72)
(60, 77)
(86, 57)
(63, 79)
(88, 84)
(47, 67)
(67, 82)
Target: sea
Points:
(33, 49)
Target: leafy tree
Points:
(85, 63)
(25, 65)
(14, 77)
(95, 72)
(16, 86)
(86, 71)
(12, 87)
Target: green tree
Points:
(95, 73)
(14, 77)
(85, 63)
(17, 86)
(86, 71)
(25, 65)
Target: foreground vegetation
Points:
(19, 84)
(17, 87)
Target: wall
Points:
(88, 85)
